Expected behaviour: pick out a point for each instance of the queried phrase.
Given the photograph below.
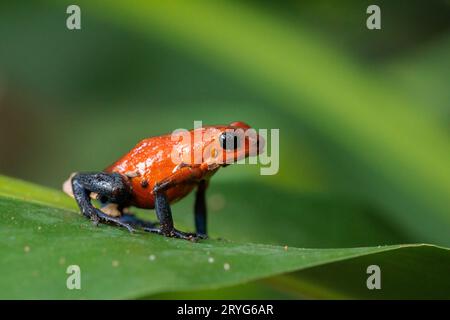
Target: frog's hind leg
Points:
(110, 187)
(134, 221)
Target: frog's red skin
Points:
(150, 162)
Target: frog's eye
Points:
(229, 141)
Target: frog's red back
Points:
(147, 163)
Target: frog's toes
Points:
(174, 233)
(102, 217)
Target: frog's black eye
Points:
(229, 141)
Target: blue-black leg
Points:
(136, 222)
(200, 210)
(110, 187)
(164, 214)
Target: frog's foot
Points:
(201, 236)
(98, 216)
(174, 233)
(136, 222)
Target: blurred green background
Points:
(363, 115)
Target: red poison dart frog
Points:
(159, 171)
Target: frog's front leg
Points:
(164, 214)
(162, 205)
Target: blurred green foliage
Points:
(363, 115)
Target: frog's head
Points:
(231, 143)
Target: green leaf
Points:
(412, 272)
(42, 234)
